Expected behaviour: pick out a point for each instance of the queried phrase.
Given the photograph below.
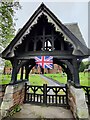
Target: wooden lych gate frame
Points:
(66, 46)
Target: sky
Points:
(67, 12)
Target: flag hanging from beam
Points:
(44, 61)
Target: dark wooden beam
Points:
(22, 69)
(70, 66)
(57, 54)
(14, 71)
(62, 44)
(27, 70)
(43, 46)
(76, 72)
(66, 69)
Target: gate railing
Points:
(48, 95)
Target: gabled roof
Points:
(74, 28)
(67, 30)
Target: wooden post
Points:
(26, 72)
(67, 95)
(69, 75)
(45, 94)
(42, 70)
(25, 92)
(35, 46)
(21, 73)
(62, 44)
(88, 96)
(14, 71)
(76, 73)
(56, 94)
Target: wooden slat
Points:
(45, 97)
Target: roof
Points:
(74, 28)
(70, 31)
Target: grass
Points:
(84, 78)
(58, 77)
(36, 80)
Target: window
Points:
(48, 45)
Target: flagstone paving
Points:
(34, 111)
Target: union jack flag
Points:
(44, 61)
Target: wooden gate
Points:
(48, 95)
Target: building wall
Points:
(56, 69)
(7, 70)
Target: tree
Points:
(8, 63)
(82, 67)
(7, 25)
(87, 63)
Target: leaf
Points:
(7, 25)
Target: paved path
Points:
(34, 111)
(50, 82)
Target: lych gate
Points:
(45, 35)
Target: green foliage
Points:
(15, 109)
(84, 79)
(7, 29)
(5, 79)
(87, 63)
(8, 63)
(82, 67)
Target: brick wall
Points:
(7, 70)
(56, 69)
(18, 97)
(14, 95)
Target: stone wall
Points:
(2, 91)
(77, 102)
(14, 95)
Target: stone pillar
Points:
(2, 91)
(14, 95)
(77, 102)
